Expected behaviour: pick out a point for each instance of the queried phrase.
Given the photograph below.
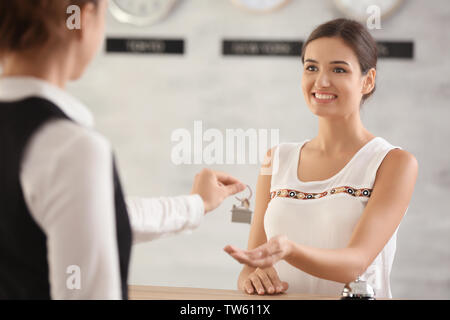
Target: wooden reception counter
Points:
(175, 293)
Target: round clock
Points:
(357, 9)
(141, 12)
(261, 6)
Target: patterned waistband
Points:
(290, 193)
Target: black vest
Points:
(23, 249)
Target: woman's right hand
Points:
(263, 281)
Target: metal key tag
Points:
(242, 213)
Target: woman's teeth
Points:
(324, 96)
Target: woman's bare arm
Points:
(257, 234)
(392, 192)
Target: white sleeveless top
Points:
(324, 213)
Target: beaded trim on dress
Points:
(290, 193)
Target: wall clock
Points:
(357, 9)
(261, 6)
(141, 12)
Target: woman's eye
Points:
(339, 70)
(311, 68)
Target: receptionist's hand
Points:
(214, 186)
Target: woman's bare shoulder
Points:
(398, 160)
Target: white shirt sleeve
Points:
(154, 218)
(67, 179)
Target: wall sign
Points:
(145, 46)
(386, 49)
(261, 48)
(396, 49)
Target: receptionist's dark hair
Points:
(28, 24)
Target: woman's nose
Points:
(322, 80)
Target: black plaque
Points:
(145, 46)
(396, 49)
(261, 48)
(279, 48)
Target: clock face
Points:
(260, 5)
(357, 9)
(141, 12)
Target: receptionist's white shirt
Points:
(66, 210)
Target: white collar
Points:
(16, 88)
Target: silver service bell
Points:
(358, 290)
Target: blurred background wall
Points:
(139, 100)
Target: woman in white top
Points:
(327, 209)
(71, 217)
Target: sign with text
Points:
(395, 49)
(261, 48)
(277, 48)
(145, 46)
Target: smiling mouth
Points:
(324, 97)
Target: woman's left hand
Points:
(264, 256)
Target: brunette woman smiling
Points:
(328, 210)
(62, 209)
